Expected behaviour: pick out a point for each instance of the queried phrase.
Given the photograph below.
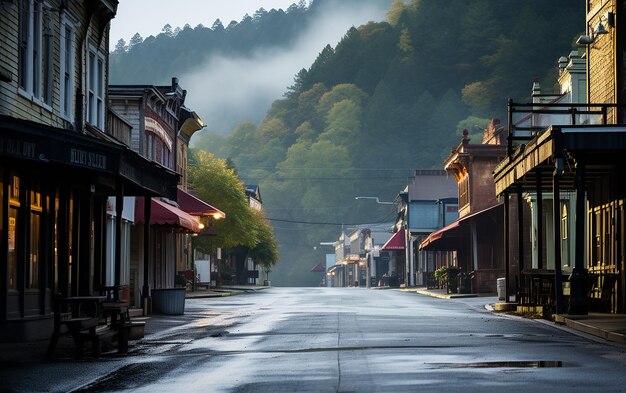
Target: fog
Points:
(229, 90)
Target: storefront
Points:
(54, 187)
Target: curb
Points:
(445, 296)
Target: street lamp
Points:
(374, 198)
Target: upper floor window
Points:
(66, 56)
(35, 51)
(95, 88)
(464, 198)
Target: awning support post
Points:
(578, 280)
(507, 248)
(147, 212)
(556, 218)
(119, 208)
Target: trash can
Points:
(169, 301)
(501, 288)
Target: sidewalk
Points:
(224, 290)
(610, 327)
(35, 351)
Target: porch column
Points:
(578, 280)
(556, 218)
(119, 207)
(520, 229)
(147, 212)
(507, 248)
(539, 222)
(409, 246)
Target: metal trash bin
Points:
(501, 288)
(168, 301)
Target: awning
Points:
(99, 158)
(320, 267)
(447, 231)
(396, 242)
(162, 213)
(195, 206)
(446, 237)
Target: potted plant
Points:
(441, 275)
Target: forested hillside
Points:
(391, 97)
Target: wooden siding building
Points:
(60, 160)
(570, 156)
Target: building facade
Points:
(60, 160)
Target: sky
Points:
(147, 17)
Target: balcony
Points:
(118, 127)
(526, 121)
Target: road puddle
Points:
(502, 364)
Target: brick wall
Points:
(602, 56)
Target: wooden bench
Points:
(79, 318)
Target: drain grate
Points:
(501, 364)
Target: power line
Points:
(327, 223)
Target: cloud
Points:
(228, 90)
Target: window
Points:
(95, 88)
(464, 191)
(14, 204)
(67, 67)
(36, 209)
(35, 51)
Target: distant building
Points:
(474, 236)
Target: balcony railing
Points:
(528, 120)
(118, 127)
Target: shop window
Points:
(32, 272)
(14, 205)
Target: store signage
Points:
(88, 159)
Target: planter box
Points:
(168, 301)
(136, 330)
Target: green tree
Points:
(120, 47)
(265, 253)
(134, 41)
(398, 7)
(213, 181)
(344, 124)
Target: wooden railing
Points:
(525, 121)
(118, 127)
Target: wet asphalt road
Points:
(344, 340)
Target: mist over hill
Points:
(390, 96)
(233, 72)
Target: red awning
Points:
(447, 231)
(162, 213)
(452, 231)
(195, 206)
(320, 267)
(396, 242)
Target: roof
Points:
(431, 185)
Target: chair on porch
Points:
(601, 291)
(522, 295)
